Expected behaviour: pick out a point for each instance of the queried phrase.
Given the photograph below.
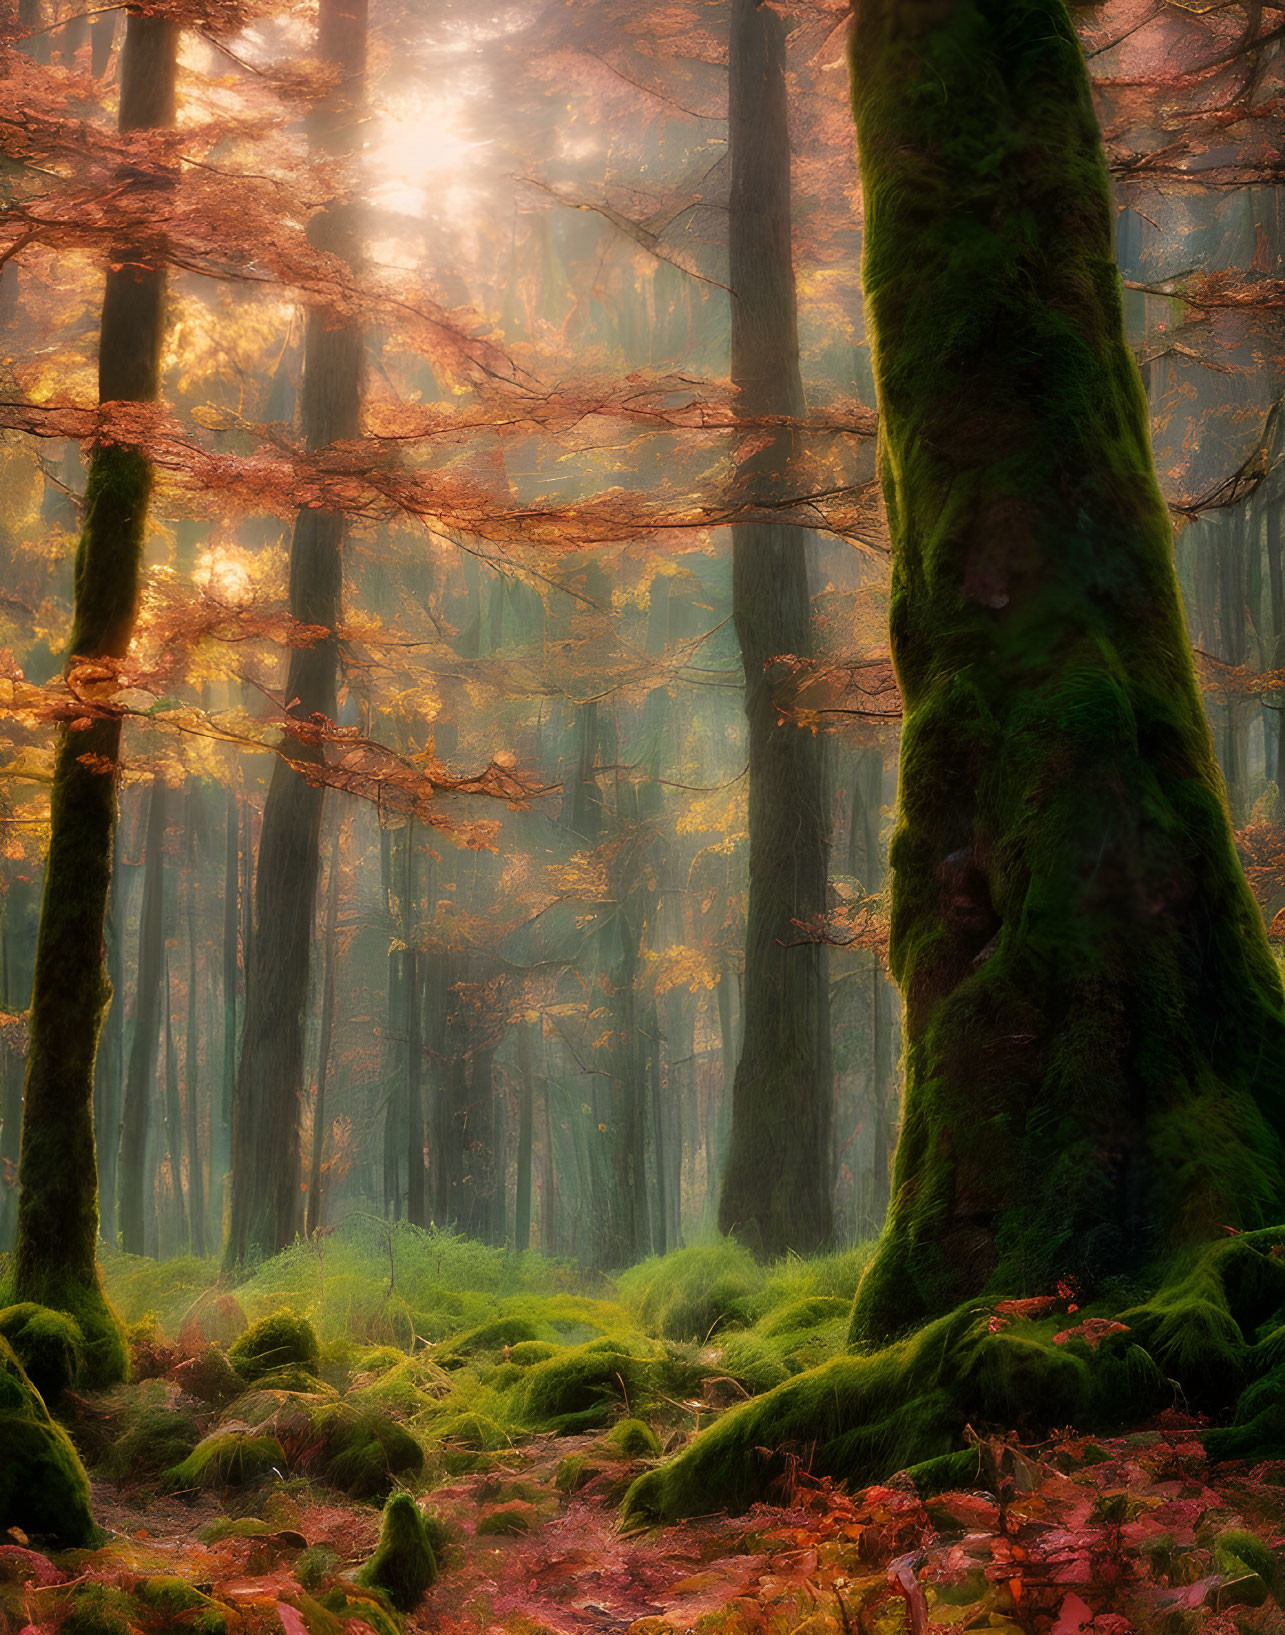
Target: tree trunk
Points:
(416, 1200)
(58, 1206)
(133, 1198)
(1095, 1036)
(315, 1196)
(264, 1216)
(526, 1130)
(191, 1048)
(776, 1189)
(174, 1121)
(221, 1110)
(109, 1066)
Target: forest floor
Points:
(1075, 1536)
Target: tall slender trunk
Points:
(776, 1188)
(416, 1202)
(191, 1053)
(221, 1107)
(133, 1200)
(174, 1119)
(526, 1132)
(315, 1197)
(109, 1068)
(265, 1215)
(548, 1201)
(58, 1207)
(1276, 581)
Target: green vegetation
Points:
(275, 1344)
(403, 1566)
(43, 1486)
(48, 1344)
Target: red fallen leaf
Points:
(1074, 1616)
(291, 1620)
(1093, 1330)
(903, 1578)
(997, 1325)
(1038, 1305)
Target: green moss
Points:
(690, 1294)
(573, 1473)
(864, 1417)
(280, 1342)
(632, 1439)
(508, 1521)
(103, 1353)
(361, 1453)
(527, 1352)
(151, 1436)
(1094, 1024)
(228, 1459)
(101, 1609)
(182, 1606)
(351, 1607)
(48, 1344)
(43, 1486)
(754, 1362)
(314, 1565)
(403, 1565)
(489, 1337)
(1238, 1552)
(800, 1315)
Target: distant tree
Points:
(55, 1262)
(776, 1188)
(265, 1212)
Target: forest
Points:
(642, 817)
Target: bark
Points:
(191, 1053)
(174, 1121)
(776, 1189)
(416, 1199)
(58, 1206)
(265, 1212)
(315, 1196)
(134, 1199)
(109, 1066)
(1095, 1030)
(526, 1129)
(1276, 581)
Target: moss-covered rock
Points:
(152, 1436)
(496, 1336)
(280, 1342)
(101, 1609)
(48, 1344)
(209, 1376)
(360, 1452)
(632, 1439)
(228, 1459)
(403, 1565)
(43, 1486)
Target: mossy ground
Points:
(537, 1408)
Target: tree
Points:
(776, 1189)
(265, 1207)
(1095, 1028)
(56, 1263)
(1095, 1067)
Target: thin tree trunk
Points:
(265, 1213)
(191, 1050)
(1277, 582)
(133, 1199)
(109, 1068)
(221, 1110)
(416, 1203)
(58, 1208)
(776, 1188)
(174, 1118)
(526, 1130)
(315, 1198)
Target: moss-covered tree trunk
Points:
(319, 1114)
(776, 1189)
(1095, 1044)
(55, 1262)
(265, 1210)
